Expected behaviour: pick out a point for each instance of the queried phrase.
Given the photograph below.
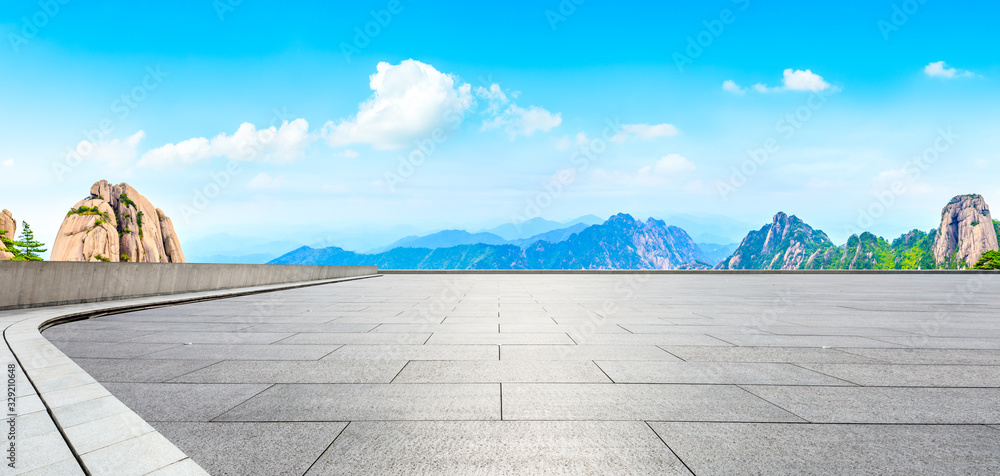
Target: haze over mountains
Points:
(965, 232)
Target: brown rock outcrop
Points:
(966, 232)
(116, 223)
(9, 225)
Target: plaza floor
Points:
(569, 374)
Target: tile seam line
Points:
(320, 456)
(796, 415)
(117, 307)
(669, 448)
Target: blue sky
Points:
(552, 109)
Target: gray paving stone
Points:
(274, 371)
(714, 373)
(954, 406)
(884, 375)
(585, 352)
(136, 456)
(501, 371)
(351, 402)
(930, 356)
(239, 449)
(93, 350)
(969, 342)
(139, 370)
(590, 402)
(370, 338)
(435, 327)
(62, 467)
(107, 431)
(243, 352)
(758, 340)
(40, 451)
(497, 338)
(415, 352)
(768, 354)
(180, 401)
(91, 335)
(311, 327)
(645, 339)
(449, 448)
(184, 467)
(765, 448)
(212, 337)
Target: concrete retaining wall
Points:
(36, 284)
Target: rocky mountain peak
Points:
(8, 225)
(116, 223)
(786, 243)
(966, 232)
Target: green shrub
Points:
(127, 201)
(101, 257)
(989, 260)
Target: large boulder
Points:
(966, 232)
(8, 225)
(116, 223)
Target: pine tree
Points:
(29, 248)
(8, 244)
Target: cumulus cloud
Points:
(669, 170)
(263, 181)
(518, 121)
(503, 113)
(730, 86)
(645, 132)
(274, 144)
(939, 69)
(793, 80)
(409, 102)
(114, 152)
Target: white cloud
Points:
(8, 163)
(274, 144)
(645, 132)
(669, 170)
(409, 102)
(114, 152)
(793, 80)
(731, 87)
(940, 70)
(800, 80)
(494, 96)
(516, 121)
(264, 181)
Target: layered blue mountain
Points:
(622, 242)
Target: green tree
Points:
(9, 245)
(990, 260)
(29, 248)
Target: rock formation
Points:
(8, 225)
(115, 223)
(966, 232)
(787, 243)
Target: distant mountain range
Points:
(621, 242)
(966, 231)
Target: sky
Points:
(259, 118)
